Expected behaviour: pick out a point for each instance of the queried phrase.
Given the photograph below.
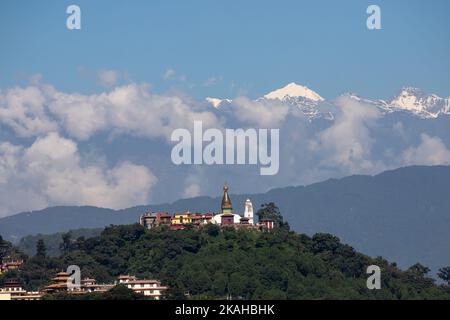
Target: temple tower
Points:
(248, 211)
(227, 208)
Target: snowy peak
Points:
(418, 101)
(216, 102)
(293, 90)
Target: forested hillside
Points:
(53, 241)
(245, 264)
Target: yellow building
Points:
(181, 218)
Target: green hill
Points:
(213, 263)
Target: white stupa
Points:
(248, 211)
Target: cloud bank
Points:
(51, 172)
(60, 148)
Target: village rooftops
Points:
(126, 277)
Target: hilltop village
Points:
(226, 218)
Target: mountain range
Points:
(402, 215)
(410, 100)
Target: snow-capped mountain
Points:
(420, 103)
(215, 102)
(411, 100)
(293, 90)
(300, 97)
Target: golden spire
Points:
(226, 202)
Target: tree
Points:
(417, 277)
(120, 292)
(271, 211)
(5, 249)
(41, 249)
(419, 270)
(325, 242)
(212, 230)
(79, 243)
(66, 243)
(444, 274)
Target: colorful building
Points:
(181, 218)
(10, 265)
(226, 217)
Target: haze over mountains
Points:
(402, 215)
(113, 149)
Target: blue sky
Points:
(249, 47)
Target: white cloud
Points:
(49, 172)
(108, 78)
(24, 111)
(348, 143)
(52, 171)
(193, 182)
(81, 116)
(431, 151)
(192, 190)
(263, 113)
(130, 109)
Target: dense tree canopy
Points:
(57, 241)
(5, 249)
(41, 249)
(444, 274)
(211, 262)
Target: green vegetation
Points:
(444, 274)
(5, 248)
(213, 263)
(53, 241)
(8, 251)
(271, 211)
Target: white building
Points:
(13, 290)
(149, 288)
(248, 211)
